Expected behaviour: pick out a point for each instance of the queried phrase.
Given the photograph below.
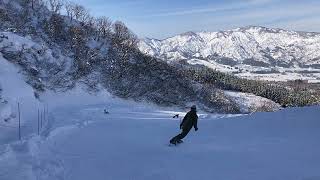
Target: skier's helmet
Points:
(194, 107)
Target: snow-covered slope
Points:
(254, 49)
(132, 143)
(14, 90)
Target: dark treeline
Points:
(278, 92)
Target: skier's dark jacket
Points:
(191, 119)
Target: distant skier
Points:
(189, 121)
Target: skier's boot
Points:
(173, 141)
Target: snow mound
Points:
(14, 90)
(251, 103)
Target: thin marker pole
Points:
(19, 121)
(38, 121)
(48, 119)
(41, 114)
(47, 113)
(44, 114)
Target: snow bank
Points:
(14, 90)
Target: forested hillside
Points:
(58, 50)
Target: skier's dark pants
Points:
(182, 135)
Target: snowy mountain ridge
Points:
(287, 48)
(249, 48)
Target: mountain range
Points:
(251, 51)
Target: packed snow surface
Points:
(131, 142)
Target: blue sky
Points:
(165, 18)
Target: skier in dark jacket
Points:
(189, 121)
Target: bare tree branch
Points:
(55, 5)
(69, 9)
(78, 11)
(103, 25)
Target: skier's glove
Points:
(196, 129)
